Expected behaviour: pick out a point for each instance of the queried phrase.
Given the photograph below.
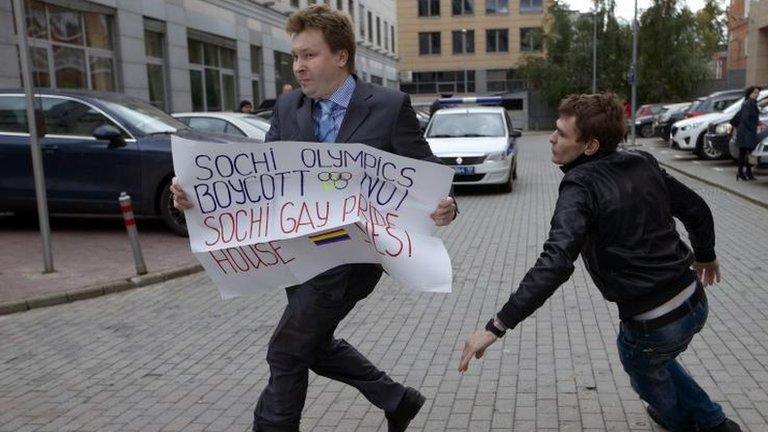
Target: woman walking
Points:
(746, 132)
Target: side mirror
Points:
(516, 133)
(109, 133)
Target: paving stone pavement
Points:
(174, 357)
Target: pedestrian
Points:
(334, 105)
(245, 107)
(746, 131)
(287, 88)
(615, 208)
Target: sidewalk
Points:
(90, 257)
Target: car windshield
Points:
(256, 122)
(734, 107)
(466, 125)
(144, 117)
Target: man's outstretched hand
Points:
(475, 347)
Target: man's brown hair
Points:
(334, 25)
(598, 116)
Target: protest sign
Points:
(276, 214)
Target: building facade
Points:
(738, 23)
(757, 48)
(182, 55)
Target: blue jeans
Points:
(649, 359)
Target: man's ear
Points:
(593, 146)
(343, 58)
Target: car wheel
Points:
(646, 131)
(173, 218)
(514, 171)
(506, 187)
(709, 151)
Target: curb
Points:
(717, 185)
(97, 290)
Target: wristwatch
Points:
(491, 327)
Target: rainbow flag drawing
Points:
(328, 237)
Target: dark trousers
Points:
(742, 161)
(304, 341)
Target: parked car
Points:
(670, 115)
(478, 142)
(97, 145)
(644, 119)
(226, 123)
(688, 134)
(717, 141)
(715, 102)
(760, 155)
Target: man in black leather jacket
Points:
(616, 209)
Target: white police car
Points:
(477, 141)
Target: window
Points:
(463, 41)
(69, 117)
(340, 5)
(13, 114)
(497, 40)
(441, 82)
(256, 61)
(212, 75)
(392, 35)
(283, 71)
(530, 39)
(362, 21)
(208, 124)
(378, 31)
(295, 3)
(496, 6)
(428, 8)
(462, 7)
(377, 80)
(154, 49)
(71, 48)
(370, 27)
(351, 7)
(531, 6)
(429, 43)
(504, 80)
(386, 36)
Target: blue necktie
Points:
(326, 126)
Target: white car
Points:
(478, 142)
(226, 123)
(688, 134)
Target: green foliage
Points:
(675, 48)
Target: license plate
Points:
(464, 170)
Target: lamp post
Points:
(633, 74)
(594, 50)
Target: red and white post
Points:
(133, 234)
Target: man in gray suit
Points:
(333, 105)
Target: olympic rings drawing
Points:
(339, 180)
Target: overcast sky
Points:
(626, 8)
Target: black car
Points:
(667, 118)
(96, 145)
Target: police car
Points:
(477, 141)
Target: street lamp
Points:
(464, 50)
(633, 74)
(594, 50)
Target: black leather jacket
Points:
(616, 210)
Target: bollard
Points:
(133, 233)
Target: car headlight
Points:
(723, 128)
(496, 156)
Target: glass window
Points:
(351, 7)
(370, 27)
(156, 85)
(530, 6)
(153, 44)
(69, 67)
(497, 6)
(13, 114)
(463, 42)
(210, 55)
(377, 79)
(340, 4)
(228, 91)
(66, 25)
(497, 40)
(195, 49)
(143, 116)
(283, 71)
(378, 31)
(231, 129)
(429, 8)
(295, 3)
(98, 30)
(41, 74)
(227, 58)
(256, 60)
(212, 89)
(463, 125)
(37, 25)
(386, 36)
(208, 124)
(362, 21)
(196, 84)
(531, 39)
(462, 7)
(256, 91)
(392, 31)
(102, 77)
(68, 117)
(429, 43)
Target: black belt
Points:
(669, 317)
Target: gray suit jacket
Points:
(379, 117)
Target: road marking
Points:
(718, 169)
